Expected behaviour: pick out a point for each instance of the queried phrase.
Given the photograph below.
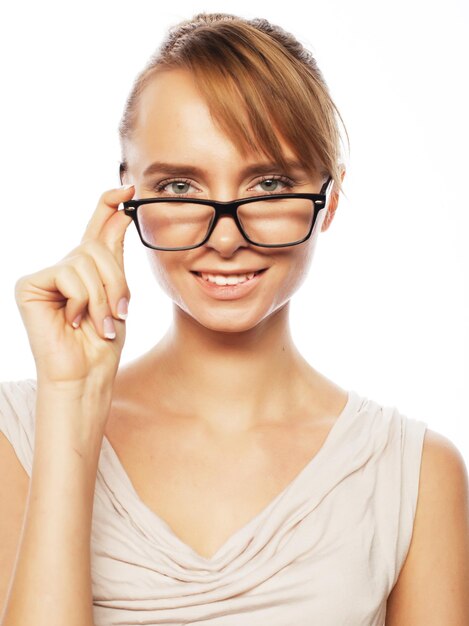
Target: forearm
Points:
(52, 579)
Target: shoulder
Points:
(17, 400)
(23, 388)
(441, 460)
(17, 409)
(443, 477)
(433, 583)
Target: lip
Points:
(229, 272)
(229, 292)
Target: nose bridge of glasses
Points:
(225, 209)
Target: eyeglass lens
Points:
(275, 221)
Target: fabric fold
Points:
(328, 549)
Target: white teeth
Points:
(233, 279)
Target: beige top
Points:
(327, 550)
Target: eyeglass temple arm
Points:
(326, 185)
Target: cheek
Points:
(162, 270)
(301, 258)
(305, 258)
(299, 271)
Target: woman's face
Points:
(174, 126)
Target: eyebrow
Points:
(179, 169)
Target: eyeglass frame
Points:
(230, 208)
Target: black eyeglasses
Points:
(269, 221)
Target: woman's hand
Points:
(89, 281)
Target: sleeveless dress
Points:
(327, 550)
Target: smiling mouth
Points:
(233, 274)
(221, 289)
(226, 280)
(228, 283)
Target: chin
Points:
(227, 320)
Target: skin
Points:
(236, 354)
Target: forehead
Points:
(170, 97)
(174, 123)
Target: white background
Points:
(385, 309)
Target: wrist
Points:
(72, 411)
(91, 388)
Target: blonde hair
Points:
(255, 66)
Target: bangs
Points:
(254, 93)
(259, 85)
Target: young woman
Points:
(218, 479)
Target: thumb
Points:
(107, 206)
(108, 224)
(114, 230)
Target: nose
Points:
(226, 237)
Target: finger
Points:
(107, 206)
(98, 306)
(111, 275)
(107, 223)
(54, 284)
(69, 284)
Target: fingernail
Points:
(122, 308)
(109, 329)
(76, 321)
(127, 186)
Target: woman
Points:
(219, 478)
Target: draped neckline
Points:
(158, 530)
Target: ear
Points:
(121, 172)
(333, 203)
(124, 175)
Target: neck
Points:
(232, 381)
